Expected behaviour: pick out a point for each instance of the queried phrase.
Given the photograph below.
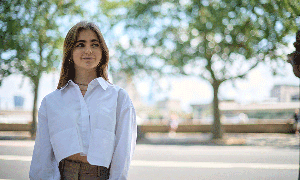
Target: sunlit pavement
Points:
(183, 161)
(214, 162)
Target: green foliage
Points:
(32, 42)
(10, 33)
(216, 40)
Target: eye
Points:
(80, 45)
(95, 45)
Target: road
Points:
(179, 162)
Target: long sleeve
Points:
(43, 164)
(126, 133)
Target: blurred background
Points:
(207, 62)
(209, 80)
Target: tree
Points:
(12, 22)
(32, 41)
(216, 40)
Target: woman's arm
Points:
(126, 133)
(43, 164)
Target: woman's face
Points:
(87, 52)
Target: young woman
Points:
(87, 127)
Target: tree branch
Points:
(243, 74)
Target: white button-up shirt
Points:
(100, 125)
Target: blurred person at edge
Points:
(294, 57)
(173, 125)
(296, 121)
(87, 126)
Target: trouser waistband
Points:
(73, 170)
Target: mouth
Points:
(87, 58)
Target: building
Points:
(281, 105)
(285, 93)
(168, 106)
(18, 102)
(199, 110)
(269, 110)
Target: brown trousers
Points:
(76, 170)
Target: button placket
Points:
(83, 123)
(86, 121)
(79, 121)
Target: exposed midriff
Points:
(78, 157)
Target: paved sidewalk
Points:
(240, 139)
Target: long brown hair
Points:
(67, 70)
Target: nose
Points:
(88, 50)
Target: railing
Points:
(228, 128)
(14, 127)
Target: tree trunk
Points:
(36, 81)
(217, 127)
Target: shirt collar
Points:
(100, 80)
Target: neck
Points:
(84, 76)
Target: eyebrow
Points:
(93, 40)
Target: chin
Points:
(87, 67)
